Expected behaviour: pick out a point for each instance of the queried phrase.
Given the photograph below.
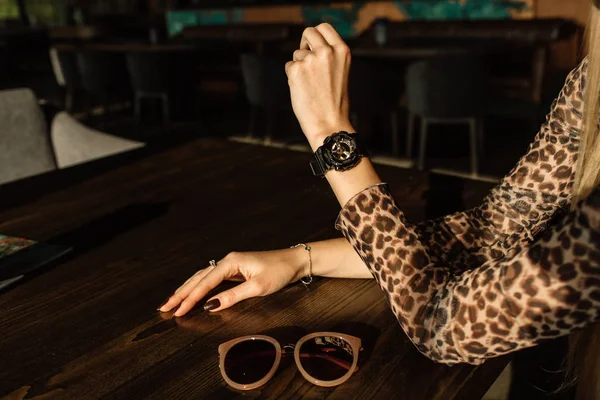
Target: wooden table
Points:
(88, 328)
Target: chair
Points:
(373, 92)
(74, 143)
(24, 143)
(447, 91)
(149, 74)
(103, 75)
(67, 75)
(28, 150)
(267, 88)
(519, 85)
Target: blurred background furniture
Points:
(67, 75)
(267, 90)
(517, 51)
(24, 143)
(104, 77)
(74, 143)
(259, 38)
(447, 91)
(28, 149)
(374, 92)
(29, 64)
(150, 74)
(519, 46)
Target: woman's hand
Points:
(262, 273)
(318, 79)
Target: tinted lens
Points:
(249, 361)
(326, 358)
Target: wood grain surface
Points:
(88, 327)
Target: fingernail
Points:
(163, 304)
(212, 304)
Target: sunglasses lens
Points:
(326, 358)
(249, 361)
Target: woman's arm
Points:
(265, 272)
(512, 214)
(334, 258)
(539, 292)
(526, 199)
(473, 312)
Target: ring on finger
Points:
(212, 263)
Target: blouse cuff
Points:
(351, 204)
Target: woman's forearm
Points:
(335, 258)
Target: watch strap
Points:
(316, 165)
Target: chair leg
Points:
(410, 134)
(473, 133)
(395, 140)
(423, 144)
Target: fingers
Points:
(232, 296)
(184, 290)
(194, 278)
(312, 39)
(300, 55)
(223, 271)
(329, 33)
(322, 40)
(288, 68)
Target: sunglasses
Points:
(324, 359)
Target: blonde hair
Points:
(583, 359)
(588, 161)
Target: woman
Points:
(469, 286)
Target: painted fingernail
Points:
(212, 304)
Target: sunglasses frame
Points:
(355, 344)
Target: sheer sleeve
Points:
(485, 282)
(540, 291)
(526, 199)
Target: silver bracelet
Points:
(308, 279)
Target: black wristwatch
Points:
(340, 151)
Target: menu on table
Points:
(19, 256)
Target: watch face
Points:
(340, 151)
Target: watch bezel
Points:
(341, 138)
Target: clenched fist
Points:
(318, 79)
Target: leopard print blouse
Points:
(508, 274)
